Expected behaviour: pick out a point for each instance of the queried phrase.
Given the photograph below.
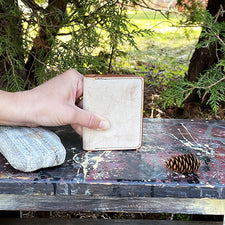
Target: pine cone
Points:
(186, 164)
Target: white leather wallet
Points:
(119, 99)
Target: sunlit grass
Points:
(166, 53)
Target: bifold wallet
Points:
(119, 99)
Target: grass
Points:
(165, 53)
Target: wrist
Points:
(17, 108)
(26, 103)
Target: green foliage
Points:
(212, 31)
(86, 36)
(11, 49)
(95, 43)
(190, 10)
(175, 93)
(210, 85)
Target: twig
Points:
(184, 26)
(223, 78)
(41, 62)
(13, 69)
(220, 12)
(205, 88)
(11, 63)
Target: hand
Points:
(56, 99)
(53, 104)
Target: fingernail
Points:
(104, 125)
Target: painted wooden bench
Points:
(127, 181)
(44, 221)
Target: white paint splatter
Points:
(193, 144)
(88, 160)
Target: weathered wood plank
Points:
(110, 204)
(101, 222)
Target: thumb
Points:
(90, 120)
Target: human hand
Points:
(53, 104)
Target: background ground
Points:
(162, 56)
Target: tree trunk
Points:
(43, 41)
(203, 58)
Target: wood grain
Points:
(112, 204)
(101, 222)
